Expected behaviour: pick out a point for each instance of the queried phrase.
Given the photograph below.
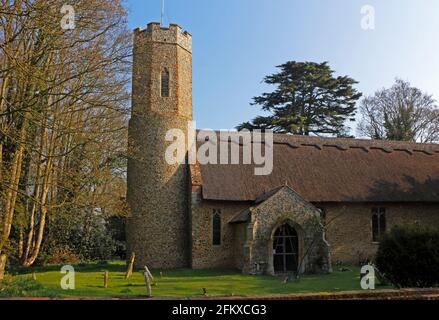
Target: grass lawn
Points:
(173, 283)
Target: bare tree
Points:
(63, 114)
(401, 112)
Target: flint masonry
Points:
(327, 200)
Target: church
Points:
(327, 201)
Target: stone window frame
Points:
(378, 223)
(216, 228)
(165, 85)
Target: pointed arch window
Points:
(378, 223)
(216, 227)
(165, 83)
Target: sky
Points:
(236, 43)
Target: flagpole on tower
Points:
(163, 13)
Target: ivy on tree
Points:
(308, 99)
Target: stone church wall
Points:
(348, 231)
(349, 227)
(240, 235)
(204, 253)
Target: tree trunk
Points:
(2, 265)
(36, 199)
(50, 145)
(36, 250)
(20, 243)
(11, 195)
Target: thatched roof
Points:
(332, 170)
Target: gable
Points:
(280, 197)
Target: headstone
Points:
(130, 266)
(148, 284)
(150, 275)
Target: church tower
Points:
(158, 193)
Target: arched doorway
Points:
(285, 249)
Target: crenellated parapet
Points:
(174, 34)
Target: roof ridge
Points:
(281, 137)
(296, 141)
(352, 141)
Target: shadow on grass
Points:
(80, 267)
(188, 282)
(197, 273)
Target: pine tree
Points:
(308, 99)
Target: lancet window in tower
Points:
(165, 83)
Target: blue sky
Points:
(237, 42)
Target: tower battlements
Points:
(174, 34)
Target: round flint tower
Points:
(158, 193)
